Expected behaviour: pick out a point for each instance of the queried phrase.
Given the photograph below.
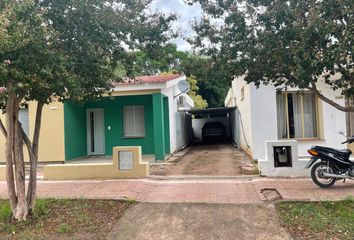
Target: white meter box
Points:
(126, 160)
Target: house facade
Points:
(141, 112)
(264, 114)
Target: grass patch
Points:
(63, 219)
(318, 220)
(64, 228)
(5, 212)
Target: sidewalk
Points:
(191, 190)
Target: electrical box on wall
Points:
(282, 156)
(126, 160)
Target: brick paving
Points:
(191, 190)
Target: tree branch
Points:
(33, 152)
(37, 128)
(314, 89)
(3, 129)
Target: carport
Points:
(225, 115)
(209, 158)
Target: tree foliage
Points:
(211, 80)
(293, 43)
(199, 102)
(58, 50)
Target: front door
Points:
(95, 132)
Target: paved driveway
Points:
(199, 221)
(218, 159)
(191, 191)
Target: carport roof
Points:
(212, 110)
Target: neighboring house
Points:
(141, 112)
(263, 114)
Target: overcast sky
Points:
(186, 14)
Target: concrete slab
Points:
(216, 159)
(199, 221)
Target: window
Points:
(23, 118)
(297, 115)
(242, 93)
(134, 123)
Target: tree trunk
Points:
(21, 210)
(33, 153)
(16, 183)
(3, 129)
(21, 204)
(9, 152)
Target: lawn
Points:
(63, 219)
(318, 220)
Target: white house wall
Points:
(263, 118)
(180, 129)
(243, 114)
(264, 121)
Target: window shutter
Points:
(134, 121)
(139, 122)
(23, 118)
(128, 121)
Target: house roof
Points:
(148, 79)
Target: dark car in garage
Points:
(213, 131)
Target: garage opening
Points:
(212, 151)
(214, 125)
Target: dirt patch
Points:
(271, 194)
(216, 159)
(198, 222)
(64, 219)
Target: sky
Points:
(186, 14)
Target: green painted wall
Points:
(167, 125)
(113, 114)
(156, 122)
(159, 126)
(75, 131)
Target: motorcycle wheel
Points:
(316, 171)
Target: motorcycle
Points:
(330, 165)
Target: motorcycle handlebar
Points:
(349, 140)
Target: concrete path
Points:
(209, 190)
(187, 221)
(221, 159)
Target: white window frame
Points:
(135, 122)
(317, 128)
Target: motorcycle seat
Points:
(344, 151)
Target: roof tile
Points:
(148, 79)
